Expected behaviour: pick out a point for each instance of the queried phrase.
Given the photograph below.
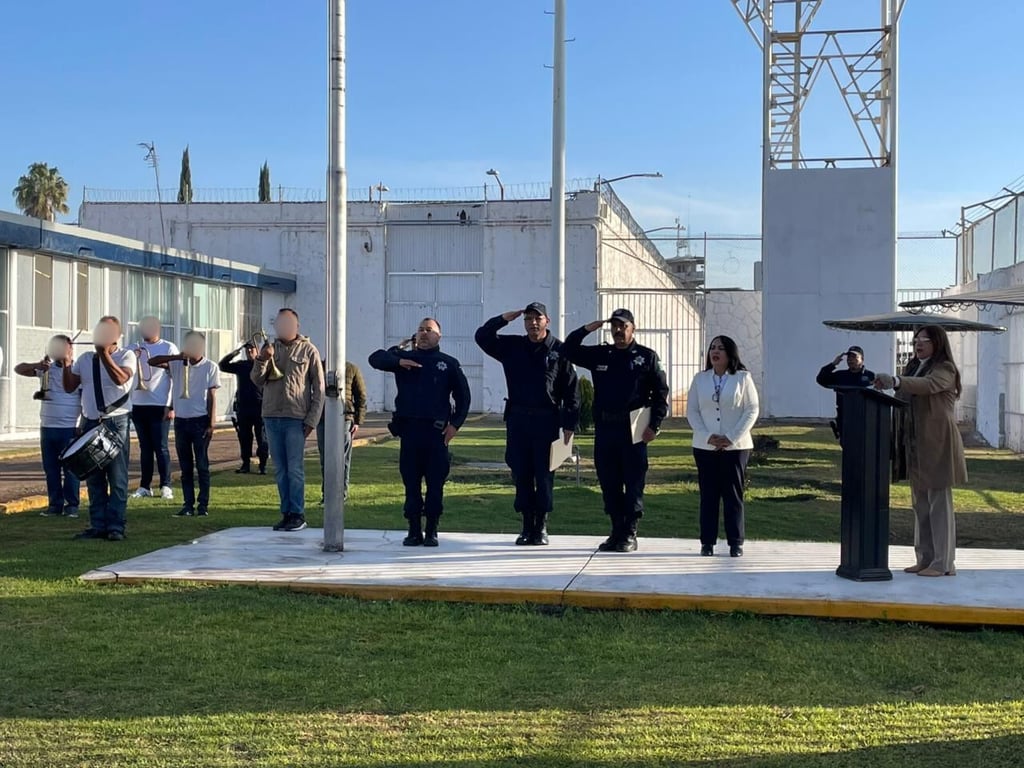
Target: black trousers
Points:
(528, 454)
(250, 424)
(151, 430)
(423, 457)
(720, 476)
(621, 470)
(194, 459)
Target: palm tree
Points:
(42, 192)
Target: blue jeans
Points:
(347, 448)
(61, 494)
(192, 446)
(287, 449)
(108, 488)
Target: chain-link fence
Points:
(374, 192)
(923, 259)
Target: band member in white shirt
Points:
(722, 407)
(151, 409)
(195, 381)
(59, 414)
(106, 375)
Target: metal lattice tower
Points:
(861, 62)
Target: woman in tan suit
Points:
(931, 448)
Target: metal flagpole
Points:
(558, 168)
(337, 227)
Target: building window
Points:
(81, 295)
(42, 310)
(115, 293)
(60, 294)
(36, 298)
(250, 312)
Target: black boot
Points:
(524, 537)
(415, 537)
(628, 541)
(539, 532)
(430, 537)
(608, 545)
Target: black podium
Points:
(866, 442)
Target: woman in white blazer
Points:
(722, 408)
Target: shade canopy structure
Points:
(1004, 297)
(909, 321)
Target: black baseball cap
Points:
(624, 315)
(536, 306)
(855, 350)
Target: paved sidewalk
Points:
(23, 485)
(783, 578)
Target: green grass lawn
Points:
(187, 675)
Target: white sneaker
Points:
(142, 493)
(166, 493)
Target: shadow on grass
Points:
(174, 650)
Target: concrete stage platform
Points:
(781, 578)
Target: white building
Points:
(461, 262)
(56, 278)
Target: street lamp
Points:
(600, 181)
(381, 188)
(497, 178)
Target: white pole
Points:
(337, 228)
(558, 168)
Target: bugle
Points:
(186, 366)
(141, 382)
(44, 380)
(260, 340)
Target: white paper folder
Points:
(560, 451)
(639, 421)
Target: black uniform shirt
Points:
(250, 396)
(426, 392)
(538, 374)
(624, 379)
(829, 377)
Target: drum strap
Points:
(97, 388)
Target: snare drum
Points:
(91, 452)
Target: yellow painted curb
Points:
(625, 601)
(26, 504)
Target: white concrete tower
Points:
(828, 196)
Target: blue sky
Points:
(441, 90)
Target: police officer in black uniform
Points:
(855, 375)
(428, 381)
(248, 407)
(543, 396)
(626, 376)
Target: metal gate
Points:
(437, 275)
(669, 322)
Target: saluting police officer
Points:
(428, 381)
(626, 376)
(543, 396)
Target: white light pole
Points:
(558, 168)
(600, 181)
(337, 227)
(497, 178)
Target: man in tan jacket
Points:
(292, 378)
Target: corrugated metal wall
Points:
(441, 276)
(669, 322)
